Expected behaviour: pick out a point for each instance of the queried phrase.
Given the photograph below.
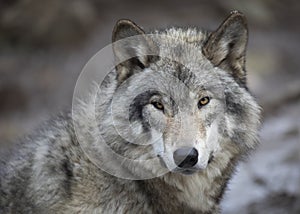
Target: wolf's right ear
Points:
(131, 47)
(226, 47)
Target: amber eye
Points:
(158, 105)
(203, 101)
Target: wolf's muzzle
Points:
(185, 157)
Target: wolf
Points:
(180, 119)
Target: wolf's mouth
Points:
(188, 171)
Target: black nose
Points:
(185, 157)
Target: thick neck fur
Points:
(198, 193)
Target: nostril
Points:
(186, 157)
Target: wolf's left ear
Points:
(226, 47)
(131, 52)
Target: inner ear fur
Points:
(131, 52)
(226, 47)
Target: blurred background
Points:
(44, 44)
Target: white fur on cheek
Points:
(157, 142)
(207, 146)
(203, 154)
(160, 149)
(212, 140)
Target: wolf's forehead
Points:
(196, 75)
(183, 46)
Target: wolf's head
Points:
(182, 93)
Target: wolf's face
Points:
(190, 98)
(184, 129)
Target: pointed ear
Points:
(226, 47)
(132, 53)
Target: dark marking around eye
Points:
(136, 107)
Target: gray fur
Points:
(49, 172)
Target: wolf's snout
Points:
(185, 157)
